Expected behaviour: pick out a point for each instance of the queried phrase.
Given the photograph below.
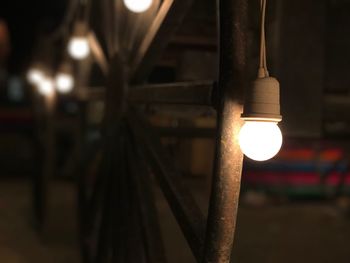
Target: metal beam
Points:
(181, 202)
(90, 93)
(228, 159)
(186, 132)
(186, 93)
(168, 19)
(98, 52)
(192, 93)
(150, 225)
(108, 23)
(112, 150)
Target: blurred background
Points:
(293, 208)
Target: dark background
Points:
(308, 51)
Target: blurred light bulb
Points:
(64, 82)
(46, 87)
(78, 47)
(260, 140)
(35, 76)
(138, 6)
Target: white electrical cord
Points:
(263, 72)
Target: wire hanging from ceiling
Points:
(263, 72)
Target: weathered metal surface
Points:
(181, 202)
(197, 93)
(228, 160)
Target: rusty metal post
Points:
(228, 160)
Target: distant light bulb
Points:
(46, 87)
(78, 47)
(260, 140)
(138, 6)
(35, 76)
(64, 82)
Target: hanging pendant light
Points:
(260, 138)
(35, 74)
(78, 45)
(46, 87)
(64, 80)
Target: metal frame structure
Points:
(118, 218)
(122, 190)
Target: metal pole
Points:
(147, 212)
(49, 104)
(228, 160)
(112, 152)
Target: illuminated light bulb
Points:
(78, 47)
(46, 87)
(35, 76)
(260, 137)
(64, 82)
(260, 140)
(138, 6)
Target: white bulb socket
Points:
(263, 100)
(138, 6)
